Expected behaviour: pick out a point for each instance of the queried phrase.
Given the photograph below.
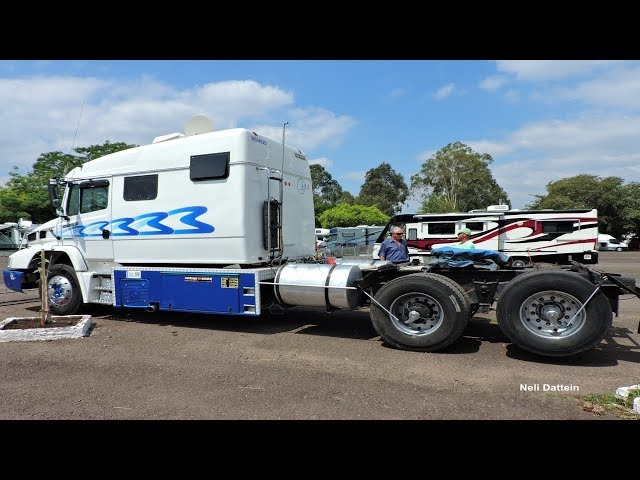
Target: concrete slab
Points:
(80, 329)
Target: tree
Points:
(384, 188)
(327, 192)
(27, 195)
(631, 194)
(457, 179)
(614, 202)
(345, 215)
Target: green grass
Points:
(622, 407)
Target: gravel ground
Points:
(306, 364)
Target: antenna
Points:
(77, 127)
(198, 124)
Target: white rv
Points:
(527, 236)
(321, 237)
(12, 234)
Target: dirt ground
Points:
(306, 364)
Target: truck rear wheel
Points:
(63, 291)
(431, 312)
(544, 313)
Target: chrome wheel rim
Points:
(417, 314)
(552, 314)
(59, 290)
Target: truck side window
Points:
(73, 203)
(92, 199)
(209, 166)
(87, 198)
(142, 187)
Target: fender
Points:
(21, 259)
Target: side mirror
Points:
(60, 212)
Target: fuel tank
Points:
(319, 285)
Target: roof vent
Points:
(171, 136)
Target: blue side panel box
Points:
(231, 293)
(13, 280)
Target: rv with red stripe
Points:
(527, 236)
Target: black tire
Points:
(618, 249)
(441, 304)
(537, 312)
(63, 291)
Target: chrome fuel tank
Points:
(318, 285)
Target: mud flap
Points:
(13, 280)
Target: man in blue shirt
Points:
(394, 248)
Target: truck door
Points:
(88, 209)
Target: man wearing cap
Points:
(464, 239)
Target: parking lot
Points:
(305, 364)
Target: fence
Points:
(350, 251)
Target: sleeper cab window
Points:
(209, 166)
(141, 187)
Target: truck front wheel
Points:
(547, 313)
(429, 312)
(63, 292)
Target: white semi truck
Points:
(223, 223)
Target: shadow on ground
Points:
(618, 345)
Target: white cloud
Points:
(493, 82)
(310, 127)
(492, 148)
(444, 91)
(540, 70)
(323, 161)
(541, 152)
(617, 88)
(40, 114)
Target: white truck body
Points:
(199, 200)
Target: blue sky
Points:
(539, 120)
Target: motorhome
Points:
(322, 235)
(12, 234)
(610, 243)
(527, 236)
